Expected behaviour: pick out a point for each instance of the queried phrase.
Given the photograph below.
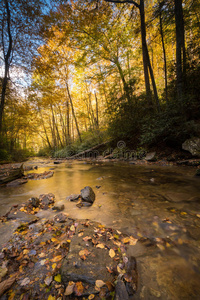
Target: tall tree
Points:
(180, 49)
(148, 71)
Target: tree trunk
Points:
(97, 111)
(7, 64)
(125, 85)
(73, 112)
(164, 55)
(180, 49)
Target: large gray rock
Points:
(151, 156)
(87, 194)
(192, 145)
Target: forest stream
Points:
(158, 203)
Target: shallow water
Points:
(161, 204)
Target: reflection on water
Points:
(158, 203)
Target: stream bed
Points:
(158, 205)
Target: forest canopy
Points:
(77, 73)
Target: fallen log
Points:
(90, 153)
(10, 172)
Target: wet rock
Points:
(120, 291)
(34, 201)
(73, 197)
(46, 199)
(17, 182)
(192, 145)
(60, 218)
(87, 194)
(29, 168)
(22, 216)
(58, 207)
(151, 156)
(88, 270)
(189, 162)
(37, 176)
(10, 172)
(56, 162)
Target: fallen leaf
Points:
(120, 271)
(101, 246)
(72, 228)
(99, 283)
(51, 298)
(42, 254)
(42, 262)
(91, 297)
(48, 280)
(111, 253)
(70, 288)
(56, 258)
(25, 251)
(84, 252)
(25, 281)
(78, 288)
(87, 238)
(54, 266)
(133, 241)
(109, 270)
(80, 234)
(54, 240)
(126, 240)
(6, 284)
(198, 215)
(57, 278)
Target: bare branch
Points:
(124, 1)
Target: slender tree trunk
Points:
(7, 63)
(97, 111)
(45, 131)
(180, 49)
(125, 85)
(164, 55)
(73, 112)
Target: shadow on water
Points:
(156, 204)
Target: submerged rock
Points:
(87, 194)
(17, 182)
(192, 145)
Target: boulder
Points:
(192, 145)
(151, 156)
(10, 172)
(87, 194)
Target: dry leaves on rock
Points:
(70, 288)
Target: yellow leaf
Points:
(42, 254)
(72, 228)
(111, 253)
(69, 241)
(99, 283)
(133, 241)
(51, 298)
(26, 251)
(101, 246)
(120, 271)
(91, 297)
(57, 278)
(54, 240)
(12, 296)
(54, 266)
(126, 240)
(80, 234)
(56, 258)
(183, 213)
(198, 215)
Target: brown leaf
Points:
(6, 284)
(109, 270)
(87, 238)
(79, 288)
(99, 283)
(56, 258)
(70, 288)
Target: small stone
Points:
(73, 197)
(59, 207)
(35, 202)
(60, 218)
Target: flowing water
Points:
(158, 205)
